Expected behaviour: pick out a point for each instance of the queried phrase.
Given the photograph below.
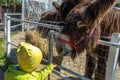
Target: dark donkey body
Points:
(83, 29)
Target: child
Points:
(29, 57)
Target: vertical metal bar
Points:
(8, 35)
(50, 55)
(5, 24)
(112, 58)
(23, 13)
(50, 47)
(5, 28)
(28, 25)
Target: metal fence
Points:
(112, 57)
(32, 9)
(31, 13)
(9, 43)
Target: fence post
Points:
(8, 36)
(5, 24)
(50, 46)
(113, 58)
(23, 14)
(50, 54)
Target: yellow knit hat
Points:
(28, 56)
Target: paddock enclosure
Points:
(70, 70)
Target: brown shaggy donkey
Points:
(64, 9)
(83, 29)
(48, 17)
(107, 29)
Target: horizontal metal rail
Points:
(59, 74)
(70, 71)
(109, 44)
(11, 14)
(14, 44)
(37, 23)
(16, 25)
(117, 7)
(56, 72)
(53, 22)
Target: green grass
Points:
(3, 60)
(2, 51)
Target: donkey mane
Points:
(50, 16)
(110, 23)
(67, 5)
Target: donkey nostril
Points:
(61, 49)
(66, 53)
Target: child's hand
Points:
(54, 65)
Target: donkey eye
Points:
(83, 28)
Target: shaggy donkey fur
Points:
(107, 25)
(91, 15)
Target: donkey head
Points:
(66, 6)
(82, 30)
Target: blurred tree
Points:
(10, 2)
(11, 5)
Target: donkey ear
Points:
(100, 8)
(56, 5)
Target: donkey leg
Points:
(101, 69)
(90, 66)
(119, 59)
(102, 55)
